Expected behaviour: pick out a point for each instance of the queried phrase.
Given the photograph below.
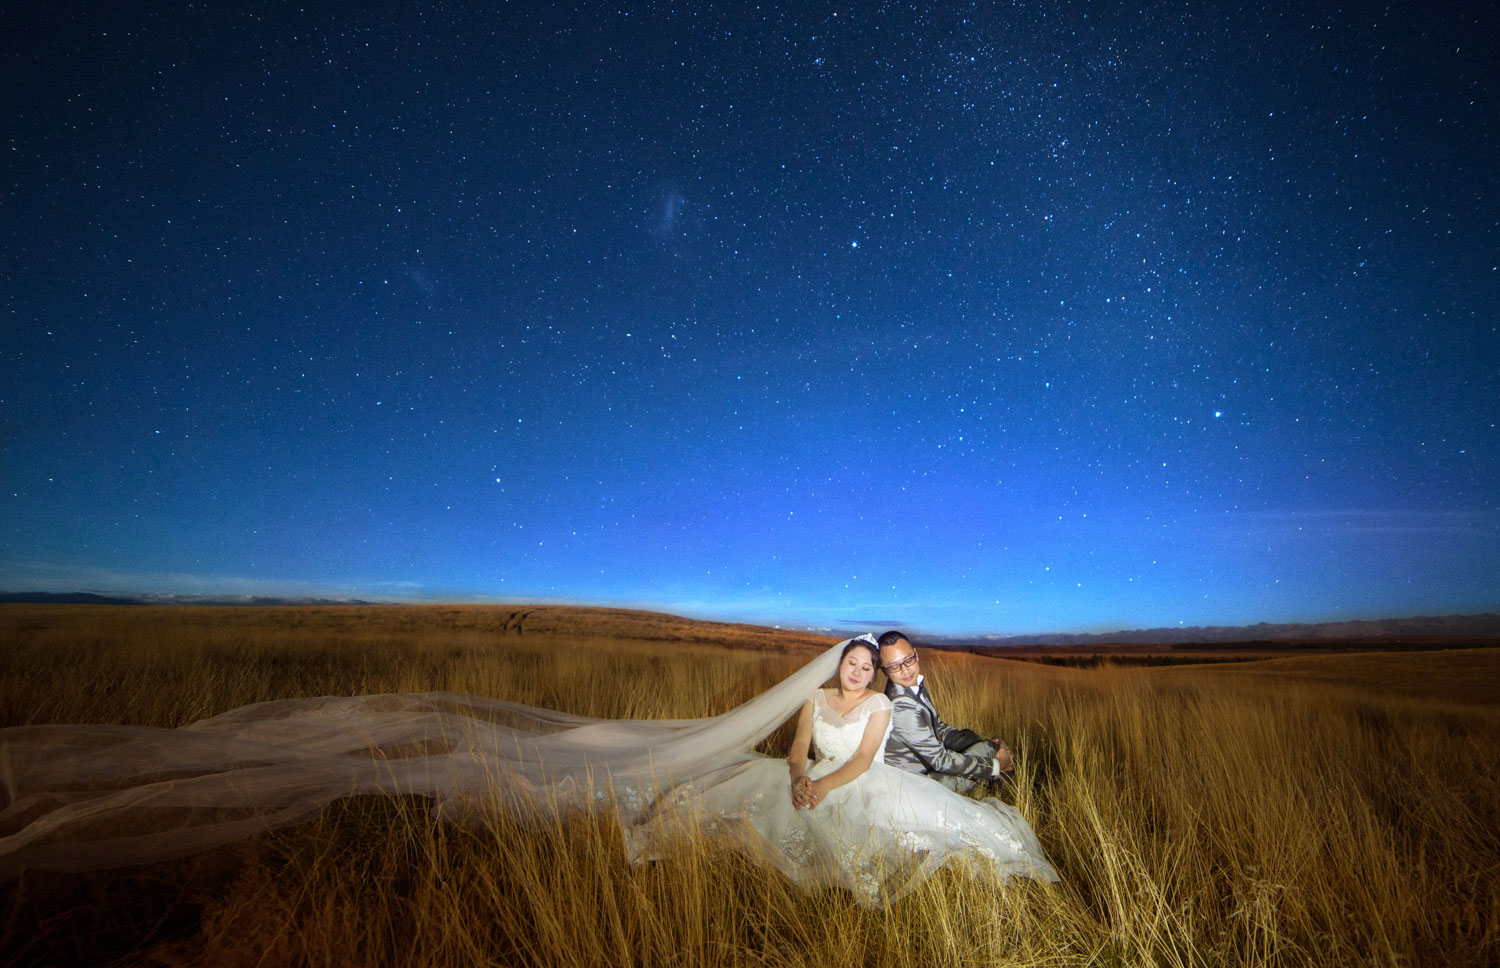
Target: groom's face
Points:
(899, 660)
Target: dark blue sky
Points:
(1012, 318)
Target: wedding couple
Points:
(860, 814)
(879, 807)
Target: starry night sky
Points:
(1006, 318)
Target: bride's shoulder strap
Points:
(880, 702)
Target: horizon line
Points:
(293, 601)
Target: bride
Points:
(96, 796)
(847, 819)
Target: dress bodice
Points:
(838, 737)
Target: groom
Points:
(920, 741)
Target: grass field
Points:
(1313, 810)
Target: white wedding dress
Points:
(878, 836)
(90, 797)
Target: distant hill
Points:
(89, 598)
(1486, 625)
(248, 600)
(63, 598)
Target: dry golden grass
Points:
(1465, 676)
(109, 664)
(1198, 816)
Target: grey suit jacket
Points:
(920, 742)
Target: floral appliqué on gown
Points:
(878, 836)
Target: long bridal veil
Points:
(92, 797)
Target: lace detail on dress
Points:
(837, 737)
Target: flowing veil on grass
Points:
(96, 796)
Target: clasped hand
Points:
(1005, 760)
(804, 793)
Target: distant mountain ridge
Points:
(89, 598)
(63, 598)
(1485, 625)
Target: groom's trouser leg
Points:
(959, 784)
(962, 784)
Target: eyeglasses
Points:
(901, 666)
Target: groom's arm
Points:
(953, 737)
(913, 728)
(961, 739)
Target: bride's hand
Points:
(817, 791)
(802, 792)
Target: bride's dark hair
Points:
(862, 644)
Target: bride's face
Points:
(857, 670)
